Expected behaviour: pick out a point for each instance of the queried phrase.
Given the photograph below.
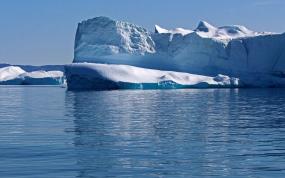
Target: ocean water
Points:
(48, 132)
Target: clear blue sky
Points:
(42, 31)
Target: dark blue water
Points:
(51, 133)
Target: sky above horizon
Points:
(41, 32)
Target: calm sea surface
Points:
(53, 133)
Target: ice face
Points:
(103, 36)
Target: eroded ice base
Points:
(92, 76)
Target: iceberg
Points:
(257, 59)
(13, 75)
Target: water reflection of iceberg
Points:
(159, 133)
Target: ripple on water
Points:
(50, 132)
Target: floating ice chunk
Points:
(16, 76)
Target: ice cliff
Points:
(257, 58)
(102, 36)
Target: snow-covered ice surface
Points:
(13, 75)
(235, 51)
(107, 76)
(206, 30)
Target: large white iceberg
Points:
(13, 75)
(256, 58)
